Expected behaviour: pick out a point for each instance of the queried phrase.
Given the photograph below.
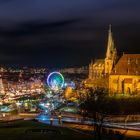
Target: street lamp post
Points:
(51, 121)
(60, 119)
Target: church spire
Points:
(111, 54)
(110, 44)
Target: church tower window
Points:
(136, 61)
(128, 61)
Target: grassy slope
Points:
(20, 130)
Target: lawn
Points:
(33, 130)
(28, 130)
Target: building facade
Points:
(120, 76)
(100, 69)
(125, 77)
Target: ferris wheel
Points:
(55, 80)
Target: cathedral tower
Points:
(111, 53)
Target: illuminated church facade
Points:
(117, 75)
(125, 77)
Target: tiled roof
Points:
(128, 64)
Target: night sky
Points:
(65, 33)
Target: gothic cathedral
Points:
(100, 69)
(120, 76)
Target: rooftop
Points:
(128, 64)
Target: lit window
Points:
(128, 61)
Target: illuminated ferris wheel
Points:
(55, 80)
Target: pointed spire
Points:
(91, 62)
(110, 44)
(109, 28)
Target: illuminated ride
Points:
(55, 81)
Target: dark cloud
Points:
(65, 33)
(5, 1)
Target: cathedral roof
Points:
(99, 62)
(128, 64)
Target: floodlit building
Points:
(118, 76)
(100, 69)
(125, 77)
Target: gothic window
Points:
(136, 61)
(128, 90)
(127, 70)
(128, 61)
(123, 86)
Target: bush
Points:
(102, 103)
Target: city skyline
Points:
(65, 33)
